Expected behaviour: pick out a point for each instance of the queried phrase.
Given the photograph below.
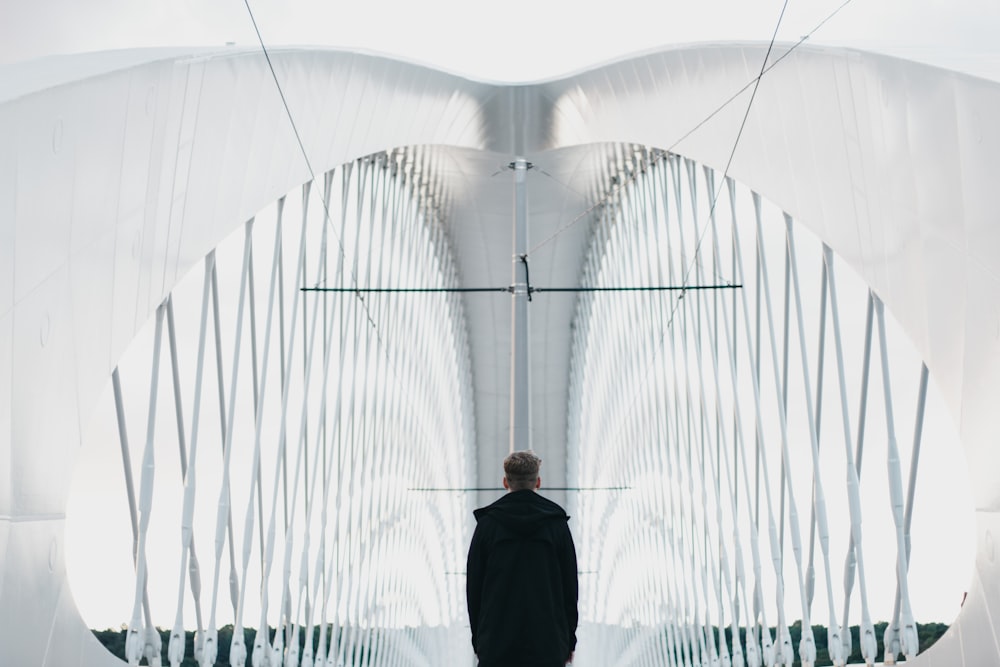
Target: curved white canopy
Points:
(891, 163)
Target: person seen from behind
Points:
(522, 584)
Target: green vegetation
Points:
(927, 633)
(114, 641)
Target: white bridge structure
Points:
(318, 295)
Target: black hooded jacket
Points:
(522, 583)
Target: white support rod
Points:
(175, 376)
(370, 539)
(767, 650)
(658, 507)
(138, 646)
(381, 433)
(901, 634)
(368, 557)
(308, 653)
(706, 466)
(224, 423)
(283, 383)
(867, 637)
(715, 460)
(283, 640)
(304, 606)
(820, 366)
(324, 564)
(175, 650)
(359, 421)
(324, 436)
(912, 481)
(807, 643)
(911, 486)
(280, 469)
(645, 423)
(349, 581)
(385, 504)
(292, 657)
(347, 307)
(362, 461)
(785, 481)
(751, 656)
(176, 384)
(129, 484)
(694, 640)
(209, 649)
(834, 641)
(692, 309)
(670, 427)
(678, 522)
(722, 462)
(255, 375)
(852, 560)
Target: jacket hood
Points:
(522, 511)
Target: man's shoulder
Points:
(512, 500)
(551, 504)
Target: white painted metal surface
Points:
(120, 171)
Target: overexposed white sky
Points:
(515, 40)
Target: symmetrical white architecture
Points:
(121, 173)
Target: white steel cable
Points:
(867, 637)
(194, 570)
(300, 461)
(834, 641)
(709, 418)
(911, 484)
(238, 650)
(145, 642)
(807, 645)
(176, 648)
(223, 419)
(209, 647)
(698, 640)
(901, 635)
(751, 654)
(129, 485)
(737, 656)
(308, 654)
(284, 638)
(371, 422)
(656, 505)
(286, 363)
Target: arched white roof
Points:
(120, 171)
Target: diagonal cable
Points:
(658, 156)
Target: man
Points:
(522, 582)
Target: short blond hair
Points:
(521, 469)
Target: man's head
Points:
(520, 471)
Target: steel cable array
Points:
(363, 400)
(690, 398)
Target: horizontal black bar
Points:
(508, 290)
(544, 488)
(649, 288)
(405, 290)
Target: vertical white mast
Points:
(520, 384)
